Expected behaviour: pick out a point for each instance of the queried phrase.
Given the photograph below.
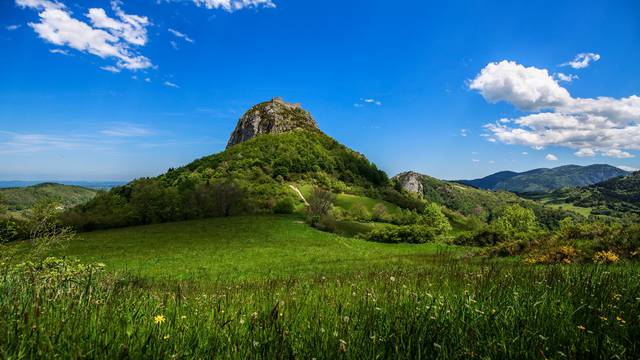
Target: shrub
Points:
(284, 206)
(413, 234)
(380, 213)
(359, 212)
(320, 203)
(433, 216)
(326, 223)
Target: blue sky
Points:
(113, 90)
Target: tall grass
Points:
(448, 309)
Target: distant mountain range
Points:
(547, 180)
(97, 185)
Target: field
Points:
(271, 287)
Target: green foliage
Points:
(412, 234)
(380, 213)
(246, 178)
(433, 217)
(516, 220)
(285, 206)
(615, 197)
(359, 212)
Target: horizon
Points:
(414, 88)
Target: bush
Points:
(284, 206)
(380, 213)
(434, 217)
(326, 223)
(359, 212)
(413, 234)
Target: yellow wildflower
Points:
(582, 328)
(159, 319)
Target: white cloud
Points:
(566, 78)
(627, 168)
(475, 160)
(464, 132)
(126, 130)
(170, 84)
(233, 5)
(107, 38)
(582, 60)
(183, 36)
(551, 157)
(12, 27)
(59, 51)
(603, 125)
(111, 69)
(528, 88)
(368, 101)
(586, 152)
(525, 153)
(619, 154)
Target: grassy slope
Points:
(23, 198)
(239, 247)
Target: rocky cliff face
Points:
(411, 182)
(271, 117)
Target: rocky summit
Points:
(272, 117)
(411, 182)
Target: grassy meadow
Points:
(272, 287)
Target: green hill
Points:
(613, 197)
(251, 176)
(470, 201)
(546, 180)
(22, 198)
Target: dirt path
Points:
(297, 191)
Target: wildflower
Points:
(392, 278)
(159, 319)
(343, 346)
(603, 318)
(183, 317)
(582, 328)
(620, 319)
(604, 257)
(166, 337)
(254, 316)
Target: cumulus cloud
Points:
(551, 157)
(105, 37)
(233, 5)
(170, 84)
(528, 88)
(582, 60)
(603, 125)
(12, 27)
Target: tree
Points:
(320, 203)
(517, 220)
(433, 216)
(228, 197)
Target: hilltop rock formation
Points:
(411, 182)
(271, 117)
